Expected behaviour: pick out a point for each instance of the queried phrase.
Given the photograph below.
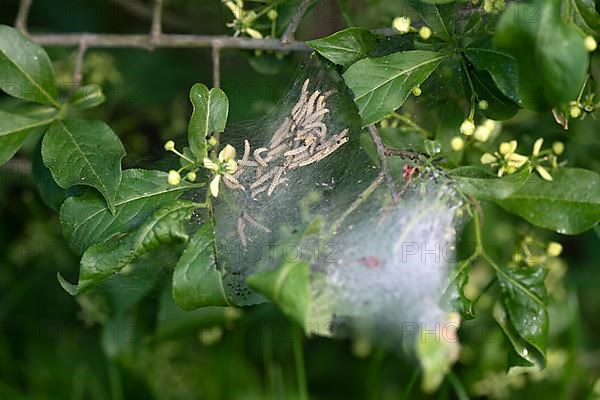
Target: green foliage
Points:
(25, 69)
(531, 55)
(197, 281)
(210, 116)
(380, 85)
(80, 152)
(345, 47)
(551, 54)
(570, 204)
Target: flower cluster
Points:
(580, 108)
(508, 160)
(223, 166)
(481, 133)
(245, 20)
(402, 25)
(531, 251)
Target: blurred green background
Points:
(129, 340)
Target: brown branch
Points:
(216, 61)
(78, 75)
(389, 181)
(22, 15)
(290, 31)
(168, 40)
(156, 21)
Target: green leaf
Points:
(197, 281)
(551, 54)
(80, 152)
(86, 219)
(52, 195)
(437, 15)
(25, 69)
(453, 295)
(483, 184)
(585, 16)
(345, 47)
(524, 317)
(436, 355)
(570, 204)
(209, 116)
(503, 68)
(88, 96)
(14, 129)
(500, 107)
(288, 286)
(165, 226)
(381, 85)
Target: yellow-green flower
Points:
(224, 165)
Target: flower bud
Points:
(191, 176)
(417, 90)
(467, 127)
(228, 153)
(457, 143)
(401, 24)
(174, 178)
(575, 110)
(487, 158)
(170, 145)
(558, 148)
(554, 249)
(272, 14)
(482, 133)
(537, 146)
(544, 173)
(483, 105)
(212, 141)
(425, 32)
(590, 43)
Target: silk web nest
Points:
(307, 188)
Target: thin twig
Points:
(22, 15)
(290, 31)
(389, 181)
(216, 61)
(169, 40)
(77, 74)
(156, 21)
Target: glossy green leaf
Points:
(210, 116)
(25, 69)
(288, 286)
(88, 96)
(453, 295)
(503, 68)
(437, 15)
(197, 281)
(86, 219)
(381, 85)
(586, 16)
(80, 152)
(524, 317)
(345, 47)
(165, 226)
(14, 129)
(570, 204)
(483, 184)
(52, 195)
(500, 107)
(551, 54)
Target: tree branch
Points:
(216, 61)
(22, 15)
(389, 181)
(156, 21)
(168, 40)
(77, 75)
(290, 31)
